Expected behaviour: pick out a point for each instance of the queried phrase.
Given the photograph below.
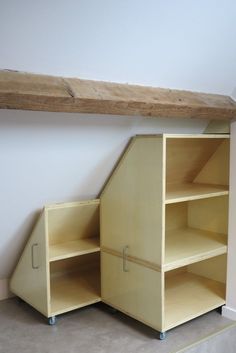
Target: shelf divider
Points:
(73, 248)
(188, 245)
(193, 191)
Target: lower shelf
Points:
(188, 295)
(74, 290)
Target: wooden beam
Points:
(27, 91)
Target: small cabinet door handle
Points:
(125, 251)
(33, 250)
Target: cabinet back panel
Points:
(216, 170)
(209, 214)
(214, 268)
(176, 216)
(73, 222)
(74, 264)
(186, 157)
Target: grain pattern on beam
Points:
(48, 93)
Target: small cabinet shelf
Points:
(74, 248)
(164, 215)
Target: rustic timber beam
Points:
(26, 91)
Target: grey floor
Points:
(96, 329)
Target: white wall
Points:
(52, 157)
(176, 44)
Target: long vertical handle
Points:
(33, 247)
(125, 250)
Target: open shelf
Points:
(74, 290)
(189, 245)
(188, 295)
(193, 191)
(73, 248)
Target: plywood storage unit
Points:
(59, 269)
(163, 225)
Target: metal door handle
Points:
(125, 250)
(33, 246)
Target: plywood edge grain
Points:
(27, 91)
(134, 259)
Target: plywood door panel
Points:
(132, 211)
(30, 280)
(138, 292)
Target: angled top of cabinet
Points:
(26, 91)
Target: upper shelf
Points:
(27, 91)
(193, 191)
(73, 248)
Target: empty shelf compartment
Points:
(188, 295)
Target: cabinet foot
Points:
(52, 320)
(20, 301)
(219, 310)
(111, 309)
(162, 335)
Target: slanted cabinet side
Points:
(132, 232)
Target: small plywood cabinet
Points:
(59, 269)
(163, 226)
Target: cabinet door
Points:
(30, 280)
(135, 290)
(132, 211)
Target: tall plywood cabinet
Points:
(163, 229)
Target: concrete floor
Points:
(96, 329)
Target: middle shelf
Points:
(189, 245)
(193, 191)
(73, 248)
(195, 230)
